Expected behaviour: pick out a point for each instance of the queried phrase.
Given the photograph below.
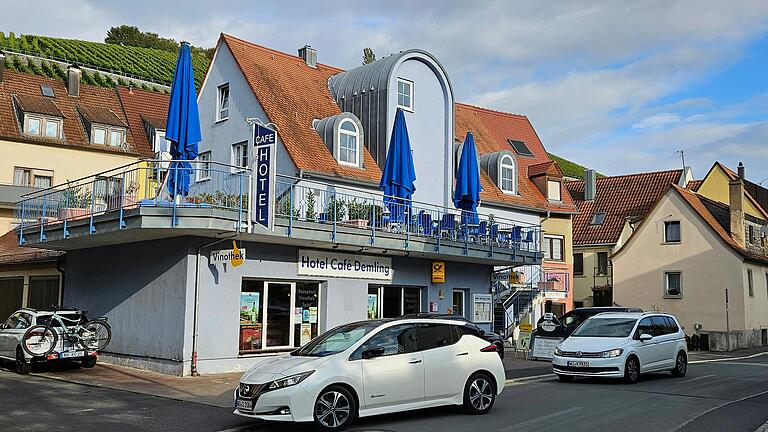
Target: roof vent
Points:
(309, 55)
(73, 80)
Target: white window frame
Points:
(237, 157)
(48, 121)
(31, 174)
(203, 172)
(410, 94)
(356, 135)
(108, 131)
(93, 135)
(220, 102)
(463, 293)
(549, 238)
(42, 130)
(160, 135)
(113, 131)
(554, 186)
(511, 165)
(666, 284)
(481, 299)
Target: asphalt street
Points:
(715, 396)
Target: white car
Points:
(374, 367)
(13, 329)
(623, 345)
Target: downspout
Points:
(193, 368)
(60, 269)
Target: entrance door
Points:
(278, 310)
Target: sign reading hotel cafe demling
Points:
(341, 265)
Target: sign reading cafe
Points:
(264, 171)
(330, 264)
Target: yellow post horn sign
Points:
(237, 257)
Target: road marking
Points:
(750, 364)
(720, 406)
(540, 419)
(728, 358)
(693, 379)
(528, 379)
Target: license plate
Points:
(71, 354)
(245, 405)
(578, 363)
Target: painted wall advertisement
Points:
(264, 174)
(330, 264)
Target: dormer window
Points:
(507, 175)
(159, 143)
(405, 94)
(47, 127)
(104, 126)
(553, 190)
(348, 142)
(107, 135)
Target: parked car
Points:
(623, 345)
(374, 367)
(489, 336)
(13, 329)
(571, 320)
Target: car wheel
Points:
(565, 378)
(681, 365)
(335, 409)
(632, 370)
(88, 362)
(22, 367)
(479, 394)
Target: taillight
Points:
(490, 348)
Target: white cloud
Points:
(657, 121)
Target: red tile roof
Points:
(694, 185)
(492, 130)
(12, 253)
(105, 116)
(619, 197)
(293, 94)
(25, 88)
(140, 105)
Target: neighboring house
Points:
(694, 251)
(609, 210)
(53, 132)
(334, 253)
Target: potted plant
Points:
(335, 209)
(359, 212)
(310, 213)
(75, 205)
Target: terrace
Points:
(131, 203)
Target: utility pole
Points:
(727, 324)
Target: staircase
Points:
(514, 302)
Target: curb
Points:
(763, 428)
(530, 379)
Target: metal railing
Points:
(340, 207)
(138, 184)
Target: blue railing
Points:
(139, 184)
(346, 208)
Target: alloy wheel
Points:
(682, 364)
(481, 394)
(633, 370)
(332, 409)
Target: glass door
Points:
(278, 315)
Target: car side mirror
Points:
(482, 332)
(372, 353)
(645, 337)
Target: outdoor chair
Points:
(448, 225)
(425, 223)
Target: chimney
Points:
(309, 55)
(73, 80)
(2, 65)
(736, 202)
(590, 184)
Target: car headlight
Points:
(288, 381)
(558, 351)
(612, 353)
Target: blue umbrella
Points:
(183, 125)
(398, 175)
(468, 187)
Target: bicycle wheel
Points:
(39, 340)
(96, 335)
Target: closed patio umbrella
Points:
(399, 175)
(466, 196)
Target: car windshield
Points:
(605, 327)
(337, 340)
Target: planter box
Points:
(73, 213)
(357, 223)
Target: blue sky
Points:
(615, 85)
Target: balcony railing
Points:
(140, 184)
(366, 212)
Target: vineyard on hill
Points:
(143, 63)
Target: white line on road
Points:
(540, 419)
(728, 358)
(720, 406)
(749, 364)
(527, 380)
(693, 379)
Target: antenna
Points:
(760, 183)
(682, 156)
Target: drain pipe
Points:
(197, 300)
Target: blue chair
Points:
(322, 217)
(482, 231)
(425, 223)
(517, 235)
(494, 234)
(528, 240)
(448, 225)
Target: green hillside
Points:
(570, 169)
(143, 63)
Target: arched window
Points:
(348, 141)
(507, 175)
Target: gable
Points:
(715, 187)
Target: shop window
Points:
(458, 302)
(11, 296)
(578, 264)
(43, 292)
(277, 315)
(373, 302)
(392, 302)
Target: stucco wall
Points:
(582, 285)
(756, 307)
(708, 267)
(715, 187)
(561, 225)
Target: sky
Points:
(618, 86)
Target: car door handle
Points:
(462, 354)
(414, 361)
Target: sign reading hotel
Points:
(264, 142)
(340, 265)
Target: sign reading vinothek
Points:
(330, 264)
(264, 172)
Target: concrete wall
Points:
(341, 300)
(143, 289)
(708, 267)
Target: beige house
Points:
(692, 252)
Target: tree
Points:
(368, 56)
(132, 36)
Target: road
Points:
(715, 396)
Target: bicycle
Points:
(42, 339)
